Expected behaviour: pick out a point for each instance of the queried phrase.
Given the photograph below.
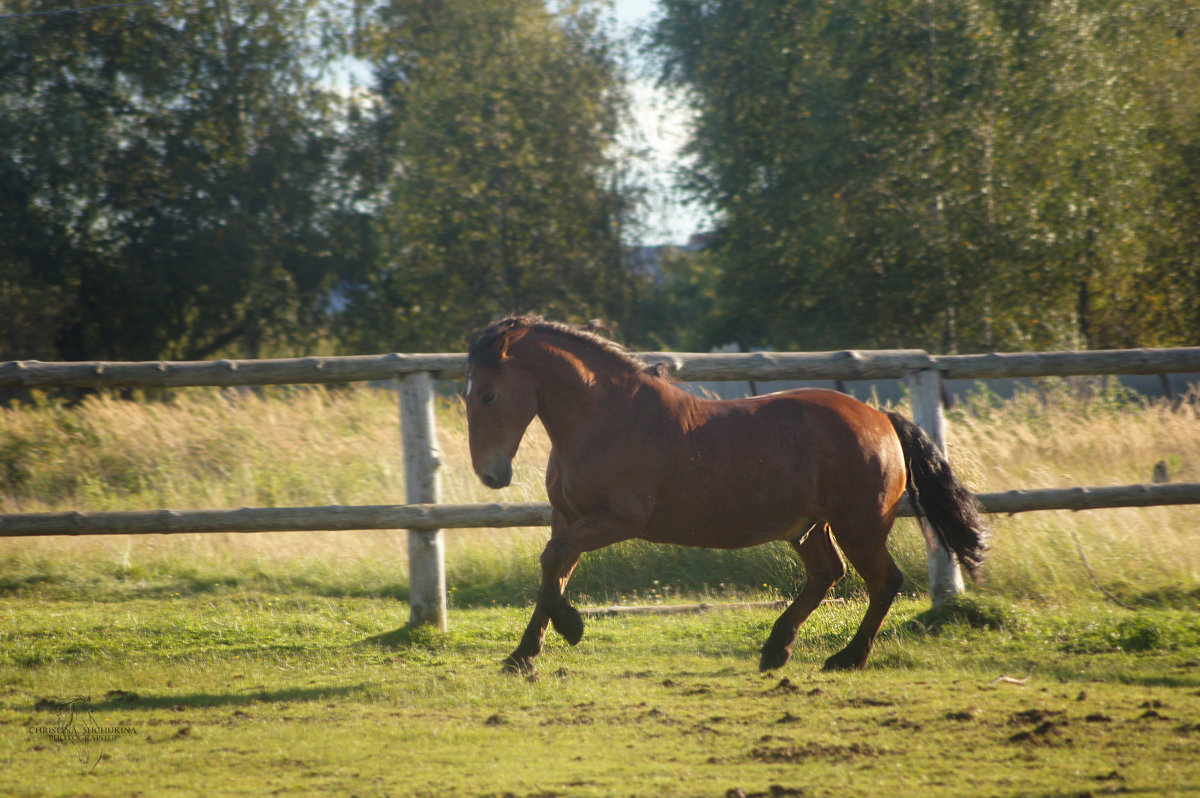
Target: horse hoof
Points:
(842, 661)
(517, 665)
(569, 623)
(773, 658)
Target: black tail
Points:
(938, 498)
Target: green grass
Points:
(244, 692)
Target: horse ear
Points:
(510, 335)
(490, 344)
(502, 344)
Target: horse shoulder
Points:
(621, 460)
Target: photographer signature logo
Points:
(77, 727)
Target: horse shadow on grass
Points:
(122, 699)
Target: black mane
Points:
(487, 345)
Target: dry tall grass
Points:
(1071, 434)
(309, 446)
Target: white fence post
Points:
(426, 549)
(945, 577)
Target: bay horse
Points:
(635, 456)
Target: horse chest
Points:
(586, 487)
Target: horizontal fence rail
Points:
(1068, 364)
(429, 517)
(847, 365)
(222, 373)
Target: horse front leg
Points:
(521, 660)
(557, 557)
(561, 555)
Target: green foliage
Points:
(676, 303)
(976, 175)
(164, 182)
(1171, 281)
(183, 181)
(488, 150)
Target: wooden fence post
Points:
(945, 577)
(426, 549)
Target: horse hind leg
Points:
(823, 567)
(866, 548)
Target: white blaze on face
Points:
(468, 392)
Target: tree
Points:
(1170, 284)
(487, 153)
(165, 179)
(973, 175)
(805, 111)
(677, 295)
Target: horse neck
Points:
(572, 382)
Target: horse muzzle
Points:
(496, 474)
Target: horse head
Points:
(501, 401)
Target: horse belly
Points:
(733, 513)
(736, 533)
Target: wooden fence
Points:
(425, 517)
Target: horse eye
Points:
(489, 397)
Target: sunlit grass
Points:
(303, 695)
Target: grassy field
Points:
(249, 693)
(278, 663)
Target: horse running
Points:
(635, 456)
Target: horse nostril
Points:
(497, 477)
